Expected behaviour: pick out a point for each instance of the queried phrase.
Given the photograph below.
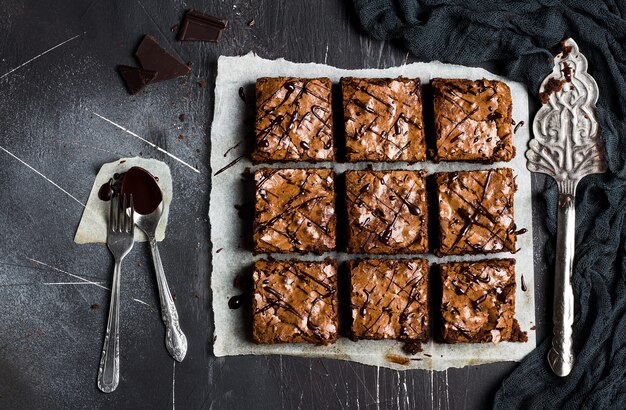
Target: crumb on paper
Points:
(394, 358)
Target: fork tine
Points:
(132, 215)
(112, 214)
(123, 221)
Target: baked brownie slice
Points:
(383, 119)
(388, 299)
(293, 120)
(387, 212)
(473, 120)
(295, 210)
(295, 301)
(476, 211)
(478, 302)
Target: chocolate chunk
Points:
(153, 57)
(197, 26)
(135, 78)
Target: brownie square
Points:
(294, 302)
(383, 119)
(473, 120)
(294, 211)
(388, 299)
(476, 211)
(293, 120)
(387, 212)
(478, 302)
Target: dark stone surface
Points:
(50, 337)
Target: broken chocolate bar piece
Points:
(197, 26)
(154, 58)
(135, 78)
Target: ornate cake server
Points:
(566, 146)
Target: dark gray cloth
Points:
(521, 34)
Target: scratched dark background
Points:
(50, 336)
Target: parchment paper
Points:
(93, 224)
(231, 255)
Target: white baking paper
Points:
(93, 224)
(229, 257)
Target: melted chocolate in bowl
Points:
(139, 183)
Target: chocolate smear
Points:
(144, 188)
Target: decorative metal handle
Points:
(561, 355)
(109, 369)
(175, 339)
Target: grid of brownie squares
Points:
(473, 120)
(295, 301)
(478, 302)
(387, 211)
(388, 299)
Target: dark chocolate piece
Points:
(295, 302)
(473, 120)
(383, 118)
(153, 57)
(295, 210)
(387, 212)
(476, 211)
(197, 26)
(135, 78)
(388, 299)
(294, 120)
(478, 302)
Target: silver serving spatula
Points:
(566, 146)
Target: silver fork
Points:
(120, 239)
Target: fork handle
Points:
(109, 369)
(175, 339)
(561, 355)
